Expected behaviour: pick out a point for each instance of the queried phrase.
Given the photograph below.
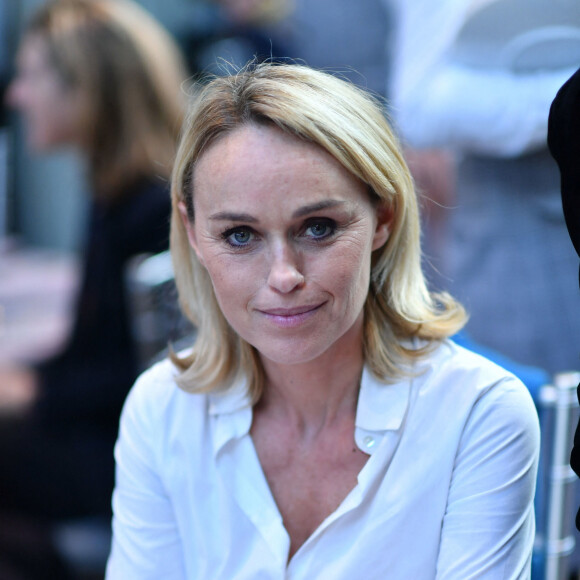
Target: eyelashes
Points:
(314, 230)
(321, 229)
(238, 237)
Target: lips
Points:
(296, 311)
(290, 317)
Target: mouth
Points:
(290, 311)
(290, 317)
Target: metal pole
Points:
(559, 539)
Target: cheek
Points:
(355, 284)
(40, 96)
(50, 122)
(348, 273)
(231, 282)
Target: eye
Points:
(238, 237)
(320, 228)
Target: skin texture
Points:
(286, 235)
(50, 109)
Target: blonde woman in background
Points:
(323, 426)
(104, 77)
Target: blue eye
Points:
(320, 229)
(238, 237)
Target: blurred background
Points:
(401, 50)
(42, 197)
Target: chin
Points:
(291, 353)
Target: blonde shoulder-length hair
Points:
(350, 125)
(129, 73)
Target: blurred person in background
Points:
(239, 31)
(339, 36)
(476, 78)
(103, 77)
(564, 143)
(351, 39)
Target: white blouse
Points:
(447, 492)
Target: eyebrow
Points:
(300, 212)
(231, 216)
(314, 207)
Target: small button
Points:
(369, 441)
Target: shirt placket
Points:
(383, 445)
(242, 474)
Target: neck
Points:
(318, 392)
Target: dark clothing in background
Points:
(351, 39)
(58, 461)
(564, 144)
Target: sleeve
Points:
(564, 144)
(146, 541)
(575, 456)
(439, 103)
(479, 111)
(90, 379)
(488, 528)
(84, 389)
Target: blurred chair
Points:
(157, 322)
(558, 486)
(156, 316)
(84, 545)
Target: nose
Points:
(285, 275)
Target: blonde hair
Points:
(350, 125)
(129, 71)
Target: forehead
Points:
(264, 158)
(256, 144)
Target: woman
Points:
(104, 77)
(324, 426)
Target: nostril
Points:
(285, 277)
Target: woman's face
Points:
(286, 235)
(50, 109)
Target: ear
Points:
(190, 229)
(384, 215)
